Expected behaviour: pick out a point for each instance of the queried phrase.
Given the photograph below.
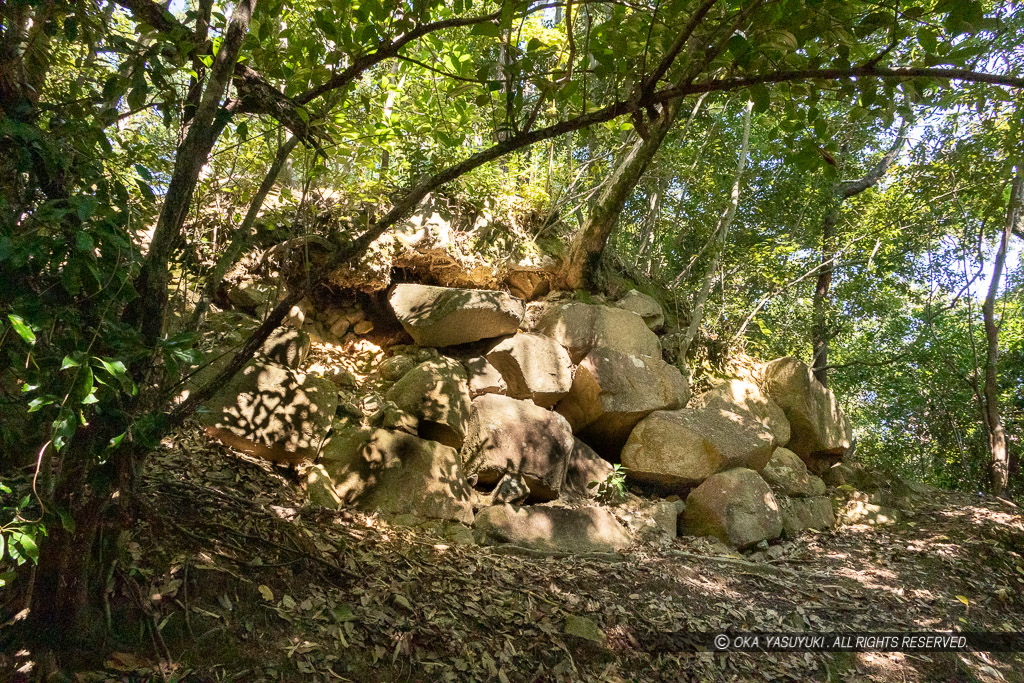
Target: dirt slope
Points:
(237, 581)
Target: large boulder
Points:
(436, 392)
(680, 448)
(396, 473)
(484, 378)
(442, 316)
(345, 440)
(736, 506)
(787, 474)
(644, 306)
(394, 368)
(585, 467)
(287, 346)
(806, 513)
(821, 433)
(272, 411)
(557, 529)
(741, 396)
(534, 367)
(657, 523)
(506, 435)
(612, 391)
(581, 327)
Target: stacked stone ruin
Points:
(504, 415)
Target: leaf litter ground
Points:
(242, 581)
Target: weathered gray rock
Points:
(581, 328)
(736, 506)
(821, 433)
(273, 412)
(345, 440)
(511, 489)
(680, 448)
(320, 488)
(506, 435)
(806, 513)
(585, 467)
(484, 378)
(396, 473)
(739, 396)
(249, 296)
(394, 368)
(287, 346)
(442, 316)
(787, 474)
(860, 508)
(557, 529)
(396, 419)
(836, 475)
(644, 306)
(534, 367)
(612, 391)
(436, 392)
(658, 523)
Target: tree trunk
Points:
(719, 238)
(822, 290)
(993, 422)
(822, 332)
(64, 586)
(589, 243)
(192, 154)
(240, 240)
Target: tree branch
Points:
(873, 176)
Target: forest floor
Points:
(240, 582)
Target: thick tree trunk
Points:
(997, 446)
(588, 245)
(64, 586)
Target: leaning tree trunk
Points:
(821, 331)
(589, 243)
(997, 446)
(719, 237)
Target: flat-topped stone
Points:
(445, 316)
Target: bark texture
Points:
(997, 442)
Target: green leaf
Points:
(28, 545)
(83, 242)
(762, 98)
(22, 328)
(85, 207)
(66, 520)
(585, 628)
(926, 37)
(486, 29)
